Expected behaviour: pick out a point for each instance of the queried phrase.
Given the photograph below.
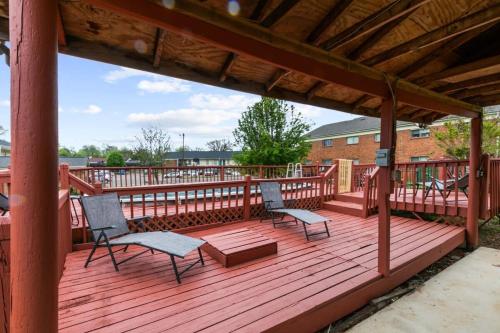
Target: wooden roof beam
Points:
(391, 12)
(460, 70)
(376, 37)
(277, 76)
(472, 83)
(327, 21)
(231, 58)
(61, 35)
(158, 50)
(472, 21)
(484, 90)
(242, 37)
(278, 13)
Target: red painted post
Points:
(261, 172)
(221, 170)
(64, 176)
(484, 186)
(322, 183)
(150, 176)
(98, 188)
(34, 197)
(246, 198)
(388, 141)
(474, 188)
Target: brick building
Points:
(358, 139)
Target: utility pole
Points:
(183, 149)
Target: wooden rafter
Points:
(314, 89)
(4, 29)
(460, 70)
(486, 100)
(313, 37)
(236, 35)
(377, 36)
(327, 21)
(61, 35)
(158, 50)
(472, 21)
(277, 76)
(471, 92)
(231, 58)
(479, 81)
(278, 13)
(373, 22)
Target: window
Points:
(420, 133)
(419, 158)
(328, 143)
(377, 137)
(355, 161)
(352, 140)
(308, 162)
(327, 162)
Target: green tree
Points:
(271, 132)
(454, 139)
(67, 152)
(115, 159)
(90, 151)
(220, 145)
(152, 146)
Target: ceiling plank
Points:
(327, 21)
(373, 22)
(486, 100)
(472, 83)
(242, 37)
(469, 22)
(315, 88)
(278, 13)
(158, 50)
(4, 29)
(258, 10)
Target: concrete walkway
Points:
(465, 297)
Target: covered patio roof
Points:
(335, 54)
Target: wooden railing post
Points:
(336, 178)
(64, 176)
(322, 183)
(221, 170)
(246, 197)
(150, 176)
(261, 172)
(98, 188)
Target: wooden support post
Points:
(387, 141)
(261, 172)
(246, 198)
(222, 176)
(34, 198)
(64, 176)
(98, 188)
(474, 188)
(484, 185)
(150, 176)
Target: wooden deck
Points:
(302, 288)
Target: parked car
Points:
(172, 174)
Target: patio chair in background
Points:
(4, 204)
(461, 183)
(273, 203)
(109, 228)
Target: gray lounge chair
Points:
(4, 204)
(109, 228)
(274, 204)
(461, 183)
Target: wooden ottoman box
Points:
(238, 246)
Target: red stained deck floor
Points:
(302, 288)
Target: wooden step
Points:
(349, 197)
(349, 208)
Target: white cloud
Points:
(163, 86)
(184, 117)
(125, 73)
(231, 102)
(308, 111)
(92, 109)
(5, 103)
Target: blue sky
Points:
(103, 104)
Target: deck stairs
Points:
(346, 203)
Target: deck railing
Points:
(494, 187)
(370, 202)
(111, 177)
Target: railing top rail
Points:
(374, 172)
(189, 167)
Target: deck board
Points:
(262, 294)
